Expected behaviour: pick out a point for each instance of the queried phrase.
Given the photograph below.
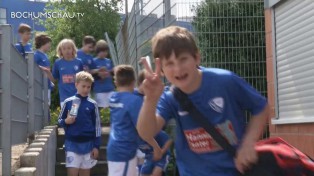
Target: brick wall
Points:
(299, 135)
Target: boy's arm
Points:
(246, 154)
(166, 146)
(63, 115)
(249, 99)
(48, 73)
(149, 124)
(97, 140)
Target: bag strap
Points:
(188, 106)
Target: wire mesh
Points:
(230, 33)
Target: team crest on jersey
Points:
(76, 67)
(69, 159)
(217, 104)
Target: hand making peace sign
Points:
(152, 85)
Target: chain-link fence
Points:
(229, 33)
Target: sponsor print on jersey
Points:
(201, 142)
(68, 79)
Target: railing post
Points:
(31, 93)
(45, 100)
(5, 55)
(167, 19)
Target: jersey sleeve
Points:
(55, 71)
(164, 108)
(246, 96)
(37, 59)
(96, 116)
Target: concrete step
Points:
(102, 154)
(100, 169)
(104, 136)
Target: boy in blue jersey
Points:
(102, 68)
(85, 52)
(25, 33)
(42, 45)
(65, 68)
(83, 131)
(123, 139)
(219, 94)
(149, 167)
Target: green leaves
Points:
(231, 35)
(98, 17)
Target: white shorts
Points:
(80, 161)
(140, 154)
(102, 99)
(123, 168)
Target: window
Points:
(294, 52)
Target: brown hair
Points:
(124, 75)
(141, 77)
(63, 43)
(84, 76)
(41, 40)
(88, 39)
(101, 45)
(24, 28)
(173, 39)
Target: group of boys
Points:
(137, 120)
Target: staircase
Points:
(101, 169)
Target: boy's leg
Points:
(73, 162)
(157, 171)
(161, 166)
(87, 163)
(73, 171)
(84, 172)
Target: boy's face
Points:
(26, 36)
(83, 88)
(181, 70)
(102, 54)
(67, 51)
(46, 47)
(88, 48)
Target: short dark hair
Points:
(173, 39)
(124, 75)
(88, 39)
(24, 28)
(101, 45)
(41, 39)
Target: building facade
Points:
(289, 27)
(14, 12)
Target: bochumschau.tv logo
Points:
(46, 15)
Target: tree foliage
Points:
(231, 36)
(99, 16)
